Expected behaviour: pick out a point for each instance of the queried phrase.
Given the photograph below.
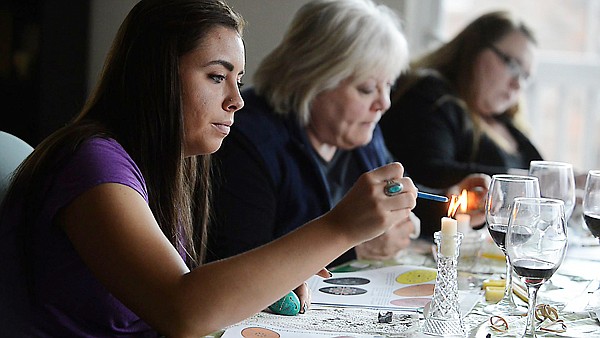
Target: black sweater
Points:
(431, 134)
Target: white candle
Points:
(463, 219)
(464, 222)
(447, 243)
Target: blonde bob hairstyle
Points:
(327, 42)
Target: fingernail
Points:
(303, 310)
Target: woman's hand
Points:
(388, 244)
(477, 185)
(366, 211)
(304, 294)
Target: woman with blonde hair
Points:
(457, 111)
(309, 128)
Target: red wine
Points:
(498, 233)
(593, 223)
(534, 271)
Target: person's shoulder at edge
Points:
(103, 159)
(98, 148)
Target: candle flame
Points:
(456, 202)
(453, 206)
(463, 201)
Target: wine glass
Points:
(503, 190)
(556, 181)
(591, 202)
(536, 244)
(591, 213)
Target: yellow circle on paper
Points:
(416, 276)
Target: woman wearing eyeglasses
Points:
(457, 110)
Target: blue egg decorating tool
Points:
(288, 305)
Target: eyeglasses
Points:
(514, 67)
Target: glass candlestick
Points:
(443, 317)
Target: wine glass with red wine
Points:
(591, 202)
(503, 190)
(536, 244)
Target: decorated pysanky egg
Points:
(288, 305)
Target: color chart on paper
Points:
(400, 287)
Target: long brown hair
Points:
(454, 60)
(138, 103)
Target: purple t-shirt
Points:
(69, 300)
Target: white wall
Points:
(266, 23)
(105, 18)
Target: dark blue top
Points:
(267, 181)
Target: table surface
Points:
(568, 291)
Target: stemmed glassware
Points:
(536, 244)
(503, 190)
(591, 217)
(591, 202)
(556, 181)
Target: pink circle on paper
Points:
(411, 302)
(251, 332)
(419, 290)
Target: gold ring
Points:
(498, 323)
(545, 311)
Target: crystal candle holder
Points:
(443, 318)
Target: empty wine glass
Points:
(591, 202)
(536, 244)
(556, 181)
(503, 190)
